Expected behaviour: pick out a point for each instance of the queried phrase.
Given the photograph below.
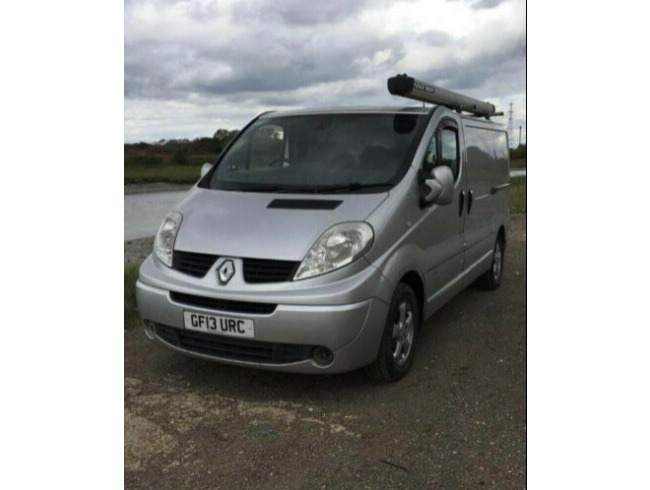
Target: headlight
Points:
(338, 246)
(163, 245)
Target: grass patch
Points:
(517, 201)
(519, 163)
(130, 307)
(172, 174)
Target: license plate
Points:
(220, 325)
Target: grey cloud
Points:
(505, 65)
(486, 4)
(350, 96)
(271, 58)
(435, 38)
(170, 70)
(203, 11)
(481, 4)
(298, 12)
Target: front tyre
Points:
(399, 340)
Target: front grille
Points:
(262, 270)
(224, 304)
(233, 348)
(191, 263)
(255, 270)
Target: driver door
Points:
(445, 223)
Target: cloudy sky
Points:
(191, 67)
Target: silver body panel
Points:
(286, 234)
(344, 310)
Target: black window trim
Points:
(448, 123)
(444, 123)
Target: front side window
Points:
(449, 149)
(320, 152)
(443, 150)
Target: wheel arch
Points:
(413, 279)
(406, 264)
(501, 235)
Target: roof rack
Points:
(426, 92)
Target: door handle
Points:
(462, 203)
(470, 199)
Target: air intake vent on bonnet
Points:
(304, 204)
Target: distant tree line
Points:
(518, 153)
(178, 151)
(201, 150)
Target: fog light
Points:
(322, 356)
(149, 329)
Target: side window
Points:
(449, 150)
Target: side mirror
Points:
(439, 188)
(205, 169)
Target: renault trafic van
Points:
(321, 240)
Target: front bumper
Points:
(350, 324)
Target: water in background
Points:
(143, 213)
(518, 172)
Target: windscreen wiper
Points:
(353, 186)
(259, 188)
(316, 189)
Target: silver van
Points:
(321, 240)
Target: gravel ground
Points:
(137, 250)
(458, 420)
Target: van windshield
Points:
(320, 153)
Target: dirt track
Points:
(458, 420)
